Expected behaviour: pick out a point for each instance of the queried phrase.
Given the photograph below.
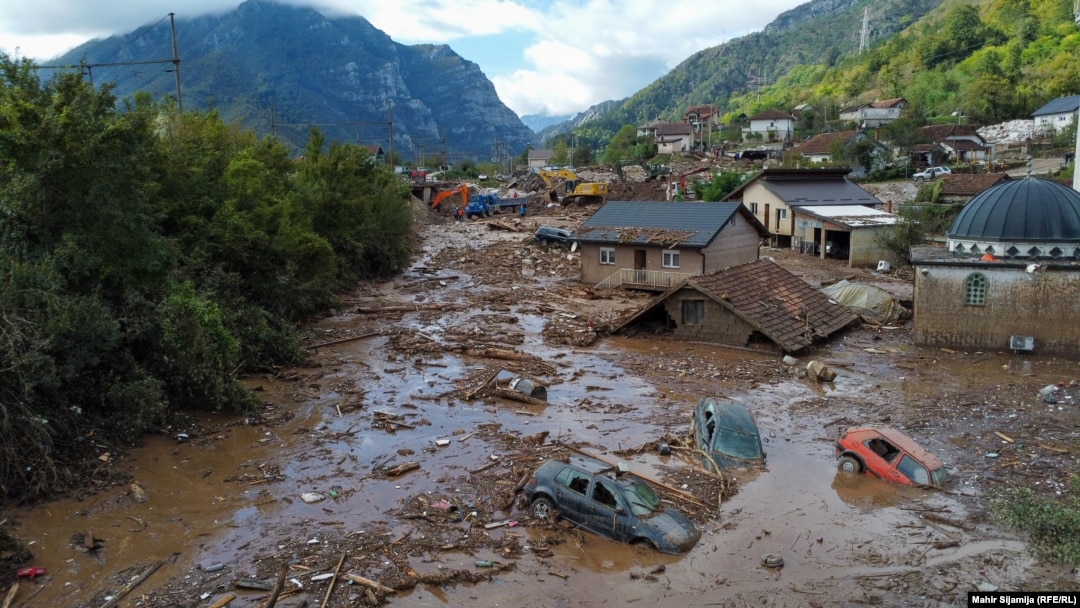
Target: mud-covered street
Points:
(388, 465)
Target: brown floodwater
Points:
(828, 527)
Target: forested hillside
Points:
(150, 257)
(990, 60)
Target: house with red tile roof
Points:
(773, 126)
(874, 114)
(753, 304)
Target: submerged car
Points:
(551, 234)
(619, 506)
(727, 432)
(889, 454)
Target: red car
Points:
(889, 454)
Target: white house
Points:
(876, 114)
(1056, 115)
(673, 137)
(772, 125)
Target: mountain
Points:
(593, 113)
(538, 122)
(339, 73)
(819, 32)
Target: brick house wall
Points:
(720, 324)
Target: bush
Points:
(1052, 524)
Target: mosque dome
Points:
(1027, 218)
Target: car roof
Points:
(901, 441)
(732, 415)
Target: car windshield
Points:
(938, 475)
(643, 500)
(737, 444)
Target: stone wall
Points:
(1044, 304)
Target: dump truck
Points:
(485, 205)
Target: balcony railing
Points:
(655, 280)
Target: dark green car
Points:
(728, 433)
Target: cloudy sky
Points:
(545, 57)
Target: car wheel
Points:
(542, 508)
(849, 464)
(918, 179)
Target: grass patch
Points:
(1052, 523)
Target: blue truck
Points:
(486, 205)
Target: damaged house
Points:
(749, 304)
(654, 245)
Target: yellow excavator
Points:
(463, 190)
(576, 191)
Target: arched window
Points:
(975, 287)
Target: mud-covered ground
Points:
(393, 458)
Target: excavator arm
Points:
(463, 190)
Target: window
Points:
(671, 259)
(753, 208)
(781, 214)
(693, 312)
(913, 470)
(975, 288)
(607, 255)
(603, 495)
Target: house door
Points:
(639, 266)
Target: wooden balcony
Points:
(650, 280)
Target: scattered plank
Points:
(333, 580)
(343, 340)
(130, 586)
(516, 396)
(270, 603)
(11, 595)
(483, 468)
(369, 583)
(377, 310)
(224, 601)
(1004, 437)
(401, 469)
(472, 393)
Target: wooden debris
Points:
(1004, 437)
(254, 583)
(11, 595)
(378, 310)
(483, 468)
(369, 583)
(134, 583)
(333, 579)
(401, 469)
(270, 603)
(517, 396)
(224, 601)
(343, 340)
(472, 393)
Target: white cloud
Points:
(576, 52)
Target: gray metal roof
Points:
(688, 224)
(819, 192)
(1061, 105)
(1028, 209)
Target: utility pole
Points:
(864, 35)
(421, 148)
(390, 126)
(273, 125)
(176, 64)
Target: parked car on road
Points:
(727, 432)
(889, 454)
(622, 507)
(550, 234)
(931, 173)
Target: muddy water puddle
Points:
(205, 502)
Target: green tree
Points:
(621, 147)
(560, 153)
